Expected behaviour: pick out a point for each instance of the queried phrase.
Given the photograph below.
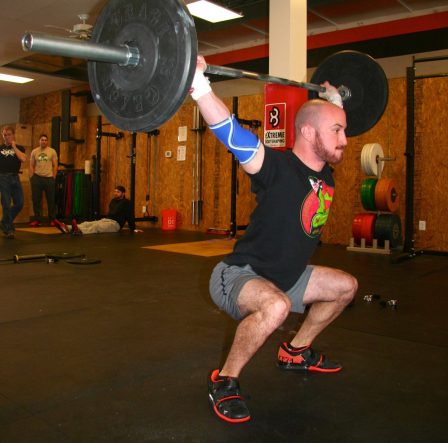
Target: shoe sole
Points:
(223, 417)
(215, 403)
(62, 228)
(289, 367)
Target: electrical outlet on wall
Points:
(422, 225)
(181, 153)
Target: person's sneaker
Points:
(52, 223)
(35, 224)
(75, 229)
(304, 359)
(10, 234)
(61, 226)
(225, 398)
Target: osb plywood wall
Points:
(169, 182)
(390, 133)
(431, 163)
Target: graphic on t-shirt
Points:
(316, 207)
(8, 152)
(43, 157)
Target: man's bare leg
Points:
(329, 291)
(267, 308)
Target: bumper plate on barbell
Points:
(142, 59)
(84, 261)
(143, 97)
(64, 255)
(365, 79)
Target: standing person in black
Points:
(268, 273)
(11, 158)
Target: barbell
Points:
(142, 59)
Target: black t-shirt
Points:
(120, 211)
(293, 204)
(8, 159)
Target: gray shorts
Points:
(226, 282)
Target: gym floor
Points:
(120, 351)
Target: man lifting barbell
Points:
(140, 71)
(267, 275)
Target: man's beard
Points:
(325, 154)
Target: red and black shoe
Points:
(61, 226)
(75, 228)
(225, 398)
(35, 224)
(304, 359)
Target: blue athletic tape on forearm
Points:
(241, 142)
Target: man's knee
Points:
(264, 298)
(278, 308)
(350, 287)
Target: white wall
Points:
(9, 110)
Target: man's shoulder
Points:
(120, 201)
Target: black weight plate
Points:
(388, 227)
(84, 261)
(64, 255)
(366, 80)
(143, 97)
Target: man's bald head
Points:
(312, 113)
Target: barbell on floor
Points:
(49, 257)
(142, 59)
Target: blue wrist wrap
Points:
(241, 142)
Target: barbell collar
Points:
(344, 92)
(124, 55)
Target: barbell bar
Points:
(142, 56)
(123, 55)
(126, 55)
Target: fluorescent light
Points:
(14, 78)
(211, 12)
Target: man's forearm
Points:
(19, 154)
(213, 108)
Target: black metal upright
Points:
(410, 160)
(96, 189)
(56, 134)
(96, 184)
(133, 156)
